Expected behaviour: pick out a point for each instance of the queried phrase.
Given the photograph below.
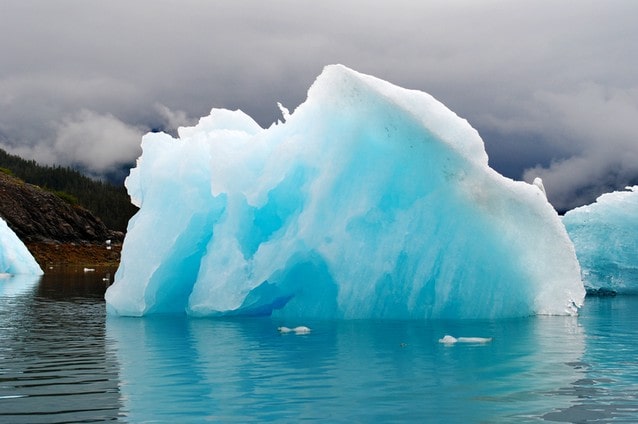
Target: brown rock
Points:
(37, 215)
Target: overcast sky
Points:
(551, 86)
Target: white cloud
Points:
(97, 142)
(93, 141)
(545, 82)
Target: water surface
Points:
(62, 360)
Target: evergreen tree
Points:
(107, 201)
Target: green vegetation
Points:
(108, 202)
(69, 198)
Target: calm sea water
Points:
(62, 360)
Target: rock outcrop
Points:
(37, 215)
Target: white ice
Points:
(450, 340)
(302, 329)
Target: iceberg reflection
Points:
(607, 385)
(17, 285)
(174, 369)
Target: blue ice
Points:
(605, 235)
(15, 258)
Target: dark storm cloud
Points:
(551, 86)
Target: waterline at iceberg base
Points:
(369, 201)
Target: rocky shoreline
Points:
(53, 254)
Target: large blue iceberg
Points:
(15, 258)
(605, 235)
(369, 201)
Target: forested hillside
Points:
(107, 201)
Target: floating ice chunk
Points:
(452, 340)
(447, 339)
(605, 235)
(297, 330)
(15, 258)
(370, 201)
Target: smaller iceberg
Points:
(605, 237)
(297, 330)
(15, 258)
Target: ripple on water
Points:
(54, 366)
(62, 361)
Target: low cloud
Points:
(88, 140)
(96, 142)
(551, 87)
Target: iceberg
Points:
(15, 258)
(605, 237)
(368, 201)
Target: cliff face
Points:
(36, 215)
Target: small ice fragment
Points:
(297, 330)
(452, 340)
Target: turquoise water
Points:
(61, 360)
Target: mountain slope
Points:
(38, 215)
(110, 202)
